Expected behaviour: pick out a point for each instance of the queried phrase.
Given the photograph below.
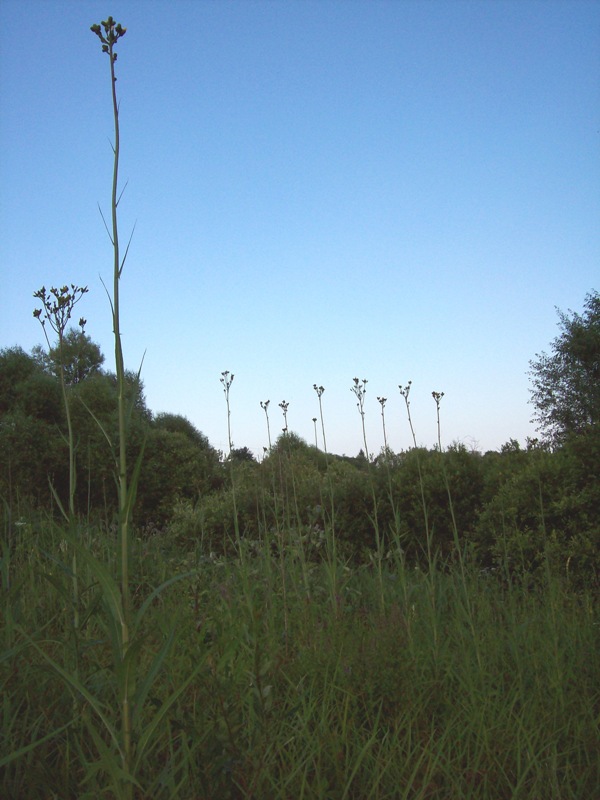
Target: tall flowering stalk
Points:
(124, 736)
(437, 398)
(226, 381)
(359, 389)
(332, 551)
(284, 409)
(382, 401)
(405, 392)
(319, 390)
(56, 311)
(264, 404)
(109, 32)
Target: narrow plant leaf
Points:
(105, 225)
(112, 308)
(143, 689)
(133, 483)
(78, 687)
(109, 764)
(110, 589)
(58, 500)
(151, 727)
(373, 738)
(130, 238)
(5, 760)
(158, 591)
(64, 568)
(131, 403)
(100, 426)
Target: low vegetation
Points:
(310, 680)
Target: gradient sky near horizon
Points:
(323, 190)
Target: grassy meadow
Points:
(423, 626)
(286, 675)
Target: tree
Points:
(31, 416)
(177, 423)
(81, 357)
(240, 454)
(176, 466)
(566, 383)
(16, 368)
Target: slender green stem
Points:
(120, 367)
(405, 391)
(57, 309)
(112, 33)
(265, 407)
(359, 389)
(437, 396)
(331, 551)
(72, 520)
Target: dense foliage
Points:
(299, 679)
(566, 383)
(517, 506)
(179, 462)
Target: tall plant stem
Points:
(265, 407)
(437, 397)
(227, 380)
(72, 519)
(120, 367)
(405, 391)
(359, 388)
(430, 581)
(112, 33)
(319, 390)
(57, 308)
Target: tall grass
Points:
(292, 699)
(276, 672)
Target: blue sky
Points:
(323, 190)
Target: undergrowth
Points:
(306, 693)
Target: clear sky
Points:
(323, 190)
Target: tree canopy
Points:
(80, 356)
(566, 382)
